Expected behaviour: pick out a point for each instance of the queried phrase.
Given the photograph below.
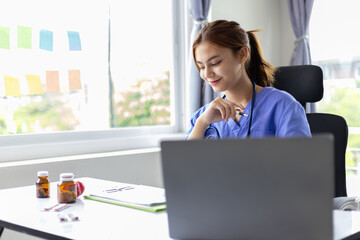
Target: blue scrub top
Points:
(276, 113)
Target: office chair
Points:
(305, 83)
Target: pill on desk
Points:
(46, 209)
(61, 207)
(73, 217)
(62, 217)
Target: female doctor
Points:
(230, 60)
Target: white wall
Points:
(272, 17)
(132, 166)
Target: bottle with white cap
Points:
(43, 185)
(66, 188)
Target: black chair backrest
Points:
(305, 84)
(335, 124)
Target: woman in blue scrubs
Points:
(230, 60)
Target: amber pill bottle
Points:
(43, 185)
(66, 188)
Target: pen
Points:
(118, 189)
(239, 112)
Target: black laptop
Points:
(269, 188)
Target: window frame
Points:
(43, 145)
(330, 74)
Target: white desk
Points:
(20, 210)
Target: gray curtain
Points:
(199, 93)
(300, 12)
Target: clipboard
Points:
(140, 197)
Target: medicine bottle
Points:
(42, 185)
(66, 188)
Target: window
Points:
(100, 71)
(141, 59)
(334, 44)
(51, 64)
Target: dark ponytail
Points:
(258, 69)
(229, 34)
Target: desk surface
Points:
(20, 210)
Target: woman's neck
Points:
(242, 93)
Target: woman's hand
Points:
(218, 110)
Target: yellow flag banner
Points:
(12, 86)
(34, 83)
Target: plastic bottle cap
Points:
(66, 176)
(43, 173)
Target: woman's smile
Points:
(214, 82)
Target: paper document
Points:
(145, 198)
(140, 195)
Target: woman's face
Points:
(219, 66)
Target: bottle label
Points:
(42, 190)
(67, 192)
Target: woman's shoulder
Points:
(276, 94)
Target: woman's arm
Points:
(198, 129)
(218, 110)
(293, 122)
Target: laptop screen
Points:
(270, 188)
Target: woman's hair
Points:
(229, 34)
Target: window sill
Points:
(54, 149)
(79, 157)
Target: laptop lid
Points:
(269, 188)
